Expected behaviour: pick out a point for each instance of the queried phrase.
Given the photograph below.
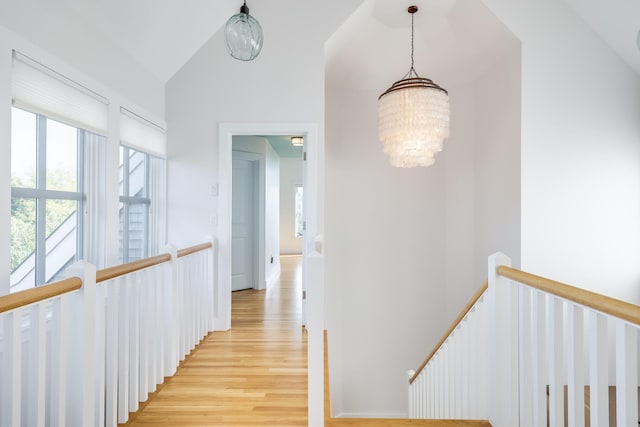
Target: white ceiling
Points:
(451, 38)
(161, 35)
(617, 22)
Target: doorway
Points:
(312, 241)
(227, 131)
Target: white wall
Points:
(290, 175)
(213, 87)
(269, 217)
(403, 246)
(496, 160)
(384, 263)
(580, 151)
(147, 100)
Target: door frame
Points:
(312, 202)
(257, 217)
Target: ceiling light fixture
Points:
(297, 141)
(243, 35)
(413, 117)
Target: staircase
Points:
(526, 351)
(529, 351)
(382, 422)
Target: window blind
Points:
(39, 89)
(142, 135)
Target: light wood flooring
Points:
(253, 375)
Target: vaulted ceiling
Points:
(161, 35)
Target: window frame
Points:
(40, 194)
(127, 201)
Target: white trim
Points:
(314, 317)
(226, 131)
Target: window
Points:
(298, 204)
(134, 204)
(47, 198)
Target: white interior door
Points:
(244, 209)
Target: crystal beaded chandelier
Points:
(243, 35)
(413, 117)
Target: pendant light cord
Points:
(412, 70)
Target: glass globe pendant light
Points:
(243, 35)
(413, 117)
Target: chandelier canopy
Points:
(413, 117)
(243, 35)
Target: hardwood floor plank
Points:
(253, 375)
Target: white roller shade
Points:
(40, 89)
(142, 135)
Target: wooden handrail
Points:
(20, 299)
(120, 270)
(453, 326)
(194, 249)
(611, 306)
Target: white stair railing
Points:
(451, 382)
(527, 346)
(85, 352)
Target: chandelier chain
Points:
(412, 42)
(412, 70)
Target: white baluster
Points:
(556, 377)
(143, 335)
(170, 320)
(626, 374)
(598, 370)
(576, 365)
(112, 352)
(539, 358)
(182, 335)
(134, 341)
(59, 348)
(475, 366)
(456, 385)
(11, 383)
(152, 336)
(100, 354)
(465, 360)
(36, 371)
(161, 313)
(124, 347)
(432, 390)
(525, 357)
(411, 396)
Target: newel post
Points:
(81, 367)
(503, 348)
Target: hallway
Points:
(253, 375)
